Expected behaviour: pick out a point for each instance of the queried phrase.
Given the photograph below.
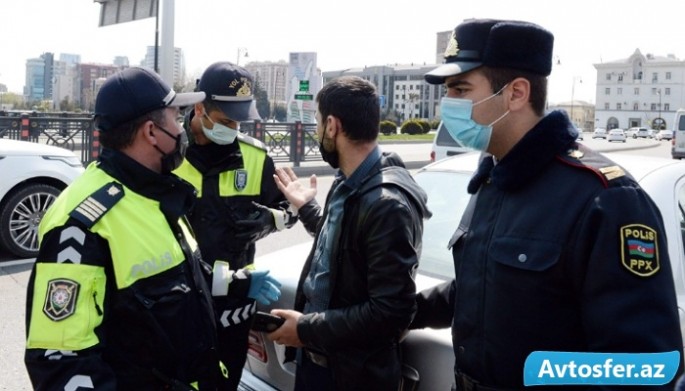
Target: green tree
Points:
(280, 113)
(262, 99)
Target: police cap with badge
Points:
(498, 44)
(230, 87)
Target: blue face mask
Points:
(456, 116)
(219, 134)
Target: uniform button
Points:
(462, 350)
(523, 257)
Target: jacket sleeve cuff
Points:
(221, 278)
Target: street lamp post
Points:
(659, 121)
(244, 51)
(573, 92)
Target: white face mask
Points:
(219, 134)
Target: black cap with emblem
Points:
(495, 43)
(230, 87)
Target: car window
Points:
(681, 212)
(447, 199)
(443, 138)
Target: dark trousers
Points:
(310, 376)
(233, 352)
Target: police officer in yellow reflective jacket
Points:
(238, 202)
(119, 298)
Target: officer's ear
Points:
(146, 132)
(199, 109)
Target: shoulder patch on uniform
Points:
(243, 138)
(60, 300)
(612, 172)
(90, 210)
(639, 249)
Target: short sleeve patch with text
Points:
(639, 250)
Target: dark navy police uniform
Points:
(565, 252)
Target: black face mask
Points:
(173, 159)
(332, 158)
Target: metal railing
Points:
(285, 142)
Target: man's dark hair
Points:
(499, 77)
(123, 135)
(354, 101)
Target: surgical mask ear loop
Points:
(491, 96)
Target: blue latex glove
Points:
(263, 287)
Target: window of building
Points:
(607, 91)
(668, 75)
(619, 91)
(618, 106)
(667, 91)
(620, 77)
(608, 76)
(636, 91)
(667, 107)
(606, 106)
(655, 76)
(636, 107)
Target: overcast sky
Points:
(345, 34)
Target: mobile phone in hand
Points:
(266, 322)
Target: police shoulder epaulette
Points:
(600, 166)
(90, 210)
(243, 138)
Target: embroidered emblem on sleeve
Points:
(60, 300)
(639, 250)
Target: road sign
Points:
(304, 86)
(304, 96)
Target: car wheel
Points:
(20, 215)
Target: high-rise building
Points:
(443, 39)
(179, 63)
(39, 75)
(66, 84)
(271, 77)
(121, 61)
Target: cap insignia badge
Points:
(452, 46)
(245, 87)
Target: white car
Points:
(599, 133)
(616, 135)
(33, 175)
(444, 145)
(664, 134)
(430, 351)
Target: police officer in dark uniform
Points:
(118, 299)
(560, 250)
(238, 202)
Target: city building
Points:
(91, 77)
(441, 42)
(179, 63)
(271, 77)
(66, 89)
(581, 113)
(404, 94)
(643, 90)
(39, 75)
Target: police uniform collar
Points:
(214, 158)
(552, 136)
(174, 194)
